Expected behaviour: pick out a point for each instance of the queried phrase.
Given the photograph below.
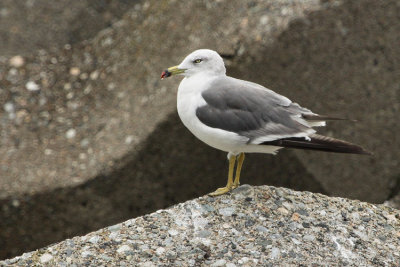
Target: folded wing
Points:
(252, 110)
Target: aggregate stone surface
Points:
(74, 117)
(26, 26)
(252, 226)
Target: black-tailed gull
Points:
(240, 117)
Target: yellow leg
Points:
(228, 187)
(240, 160)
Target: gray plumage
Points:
(251, 110)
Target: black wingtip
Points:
(360, 151)
(320, 143)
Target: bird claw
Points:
(220, 191)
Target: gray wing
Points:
(251, 110)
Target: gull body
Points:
(189, 99)
(238, 116)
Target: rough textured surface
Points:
(83, 120)
(263, 226)
(87, 137)
(26, 26)
(71, 113)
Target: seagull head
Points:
(199, 61)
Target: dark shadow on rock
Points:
(172, 166)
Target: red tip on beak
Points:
(165, 74)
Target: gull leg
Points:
(229, 185)
(240, 160)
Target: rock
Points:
(71, 133)
(283, 211)
(173, 232)
(284, 45)
(295, 216)
(275, 253)
(309, 238)
(227, 211)
(94, 239)
(32, 86)
(75, 71)
(351, 243)
(146, 264)
(46, 258)
(94, 75)
(218, 263)
(17, 61)
(160, 251)
(123, 249)
(9, 107)
(262, 229)
(40, 24)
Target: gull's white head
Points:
(199, 61)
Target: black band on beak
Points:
(165, 74)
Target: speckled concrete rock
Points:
(26, 26)
(253, 226)
(87, 137)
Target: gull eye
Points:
(197, 60)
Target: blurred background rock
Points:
(90, 135)
(26, 26)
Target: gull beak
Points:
(172, 71)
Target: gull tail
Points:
(319, 142)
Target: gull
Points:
(239, 117)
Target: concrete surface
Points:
(253, 226)
(89, 135)
(29, 25)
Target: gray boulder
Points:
(253, 226)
